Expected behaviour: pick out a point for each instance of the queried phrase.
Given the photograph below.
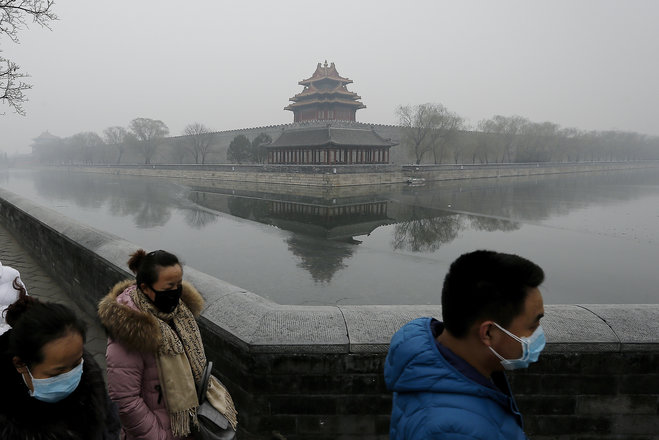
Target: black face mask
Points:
(167, 300)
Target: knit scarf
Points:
(180, 359)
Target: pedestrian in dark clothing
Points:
(52, 389)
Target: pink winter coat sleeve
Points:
(126, 374)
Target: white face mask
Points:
(532, 346)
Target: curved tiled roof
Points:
(323, 71)
(312, 91)
(326, 136)
(356, 104)
(324, 87)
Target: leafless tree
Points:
(198, 141)
(149, 133)
(416, 125)
(85, 146)
(14, 15)
(505, 130)
(427, 128)
(446, 126)
(539, 142)
(118, 137)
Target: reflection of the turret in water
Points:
(336, 222)
(332, 220)
(326, 230)
(323, 234)
(322, 259)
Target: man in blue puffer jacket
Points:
(447, 378)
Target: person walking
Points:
(155, 357)
(448, 377)
(11, 287)
(52, 388)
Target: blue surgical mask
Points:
(56, 388)
(532, 346)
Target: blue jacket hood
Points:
(414, 363)
(431, 397)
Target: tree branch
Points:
(12, 87)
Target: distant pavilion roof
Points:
(325, 88)
(325, 136)
(45, 136)
(323, 71)
(312, 90)
(325, 100)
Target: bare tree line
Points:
(145, 141)
(432, 134)
(142, 140)
(429, 133)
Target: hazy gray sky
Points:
(588, 64)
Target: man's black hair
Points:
(486, 285)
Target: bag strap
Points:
(203, 385)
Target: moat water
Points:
(596, 235)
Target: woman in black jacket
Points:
(52, 389)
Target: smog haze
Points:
(586, 64)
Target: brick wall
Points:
(565, 396)
(354, 175)
(605, 395)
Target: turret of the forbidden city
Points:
(325, 97)
(324, 134)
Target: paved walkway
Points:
(42, 286)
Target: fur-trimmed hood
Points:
(137, 330)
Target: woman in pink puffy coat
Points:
(153, 335)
